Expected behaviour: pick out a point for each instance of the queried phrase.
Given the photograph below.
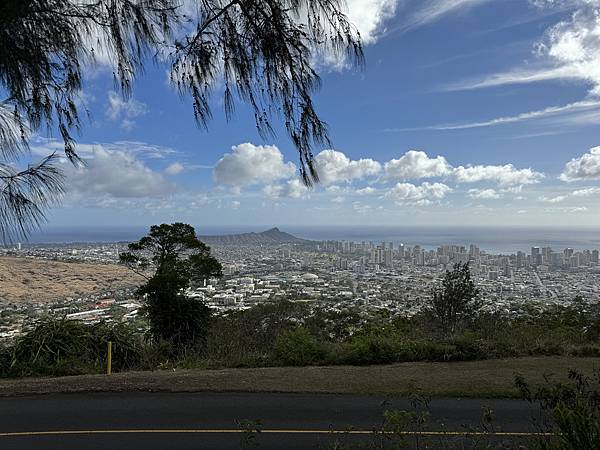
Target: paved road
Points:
(212, 420)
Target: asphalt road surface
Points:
(240, 420)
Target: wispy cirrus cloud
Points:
(423, 12)
(568, 51)
(575, 113)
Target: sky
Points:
(468, 112)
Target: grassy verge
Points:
(490, 378)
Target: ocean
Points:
(490, 239)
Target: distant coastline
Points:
(491, 239)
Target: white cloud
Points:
(484, 194)
(586, 192)
(174, 168)
(579, 108)
(42, 146)
(292, 189)
(505, 176)
(557, 199)
(335, 189)
(414, 165)
(125, 111)
(250, 164)
(418, 165)
(335, 167)
(586, 167)
(407, 193)
(570, 50)
(235, 204)
(338, 199)
(369, 16)
(567, 209)
(117, 174)
(429, 11)
(361, 208)
(366, 191)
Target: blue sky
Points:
(469, 112)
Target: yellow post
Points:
(109, 359)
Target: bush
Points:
(246, 338)
(69, 347)
(572, 410)
(369, 349)
(297, 347)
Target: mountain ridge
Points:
(271, 236)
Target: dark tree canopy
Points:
(457, 299)
(172, 248)
(177, 259)
(263, 51)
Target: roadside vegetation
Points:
(296, 334)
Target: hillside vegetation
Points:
(293, 334)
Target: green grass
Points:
(490, 378)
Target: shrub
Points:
(297, 347)
(369, 349)
(572, 409)
(69, 347)
(246, 338)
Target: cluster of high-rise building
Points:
(546, 257)
(369, 256)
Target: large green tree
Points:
(457, 299)
(172, 258)
(263, 52)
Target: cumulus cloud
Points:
(336, 167)
(124, 111)
(250, 164)
(290, 189)
(414, 165)
(369, 16)
(117, 174)
(418, 165)
(484, 194)
(574, 45)
(174, 168)
(407, 193)
(505, 176)
(586, 167)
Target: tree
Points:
(457, 299)
(179, 260)
(261, 52)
